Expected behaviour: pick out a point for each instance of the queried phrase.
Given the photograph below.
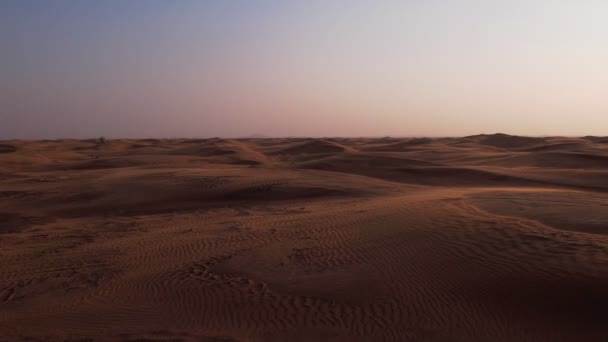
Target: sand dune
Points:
(7, 148)
(503, 140)
(482, 238)
(313, 146)
(224, 152)
(401, 145)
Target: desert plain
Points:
(480, 238)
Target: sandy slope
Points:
(482, 238)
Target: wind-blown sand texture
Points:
(482, 238)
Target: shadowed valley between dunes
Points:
(481, 238)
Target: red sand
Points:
(483, 238)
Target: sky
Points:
(234, 68)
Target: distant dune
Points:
(503, 140)
(480, 238)
(312, 146)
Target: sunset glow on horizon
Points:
(80, 69)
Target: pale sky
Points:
(196, 68)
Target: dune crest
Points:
(503, 140)
(313, 146)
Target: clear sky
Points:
(181, 68)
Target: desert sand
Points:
(481, 238)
